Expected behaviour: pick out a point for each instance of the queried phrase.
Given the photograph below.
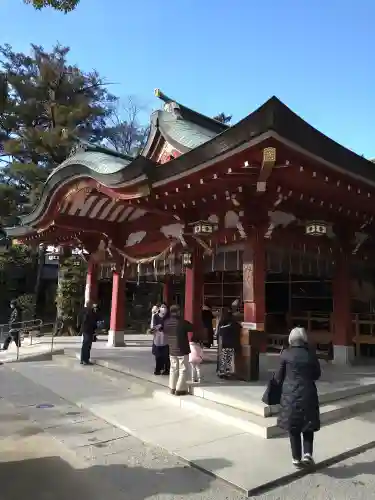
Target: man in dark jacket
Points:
(14, 326)
(176, 331)
(299, 412)
(88, 325)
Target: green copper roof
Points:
(187, 133)
(101, 163)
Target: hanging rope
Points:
(147, 260)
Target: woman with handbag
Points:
(299, 405)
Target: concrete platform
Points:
(34, 352)
(236, 456)
(342, 392)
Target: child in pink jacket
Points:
(195, 359)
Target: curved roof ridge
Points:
(192, 115)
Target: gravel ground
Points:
(352, 479)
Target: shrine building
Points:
(269, 211)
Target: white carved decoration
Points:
(241, 230)
(281, 218)
(278, 218)
(231, 219)
(172, 230)
(135, 238)
(137, 214)
(360, 238)
(214, 219)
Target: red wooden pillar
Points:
(194, 278)
(254, 281)
(253, 337)
(167, 291)
(343, 350)
(118, 317)
(91, 289)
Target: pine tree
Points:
(49, 104)
(62, 5)
(223, 118)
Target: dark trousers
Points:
(296, 441)
(162, 362)
(86, 347)
(12, 336)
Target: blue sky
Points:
(215, 55)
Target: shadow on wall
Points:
(52, 477)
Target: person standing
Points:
(14, 326)
(299, 406)
(177, 330)
(160, 348)
(207, 319)
(229, 332)
(87, 327)
(195, 359)
(154, 313)
(95, 309)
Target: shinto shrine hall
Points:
(269, 211)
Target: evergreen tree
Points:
(49, 104)
(62, 5)
(223, 118)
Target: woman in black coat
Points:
(299, 413)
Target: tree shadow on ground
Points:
(53, 477)
(351, 471)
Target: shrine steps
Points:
(266, 426)
(342, 396)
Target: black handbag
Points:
(272, 394)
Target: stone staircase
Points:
(259, 420)
(249, 414)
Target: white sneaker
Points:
(307, 459)
(297, 463)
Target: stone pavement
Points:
(239, 458)
(64, 452)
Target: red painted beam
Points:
(77, 223)
(328, 186)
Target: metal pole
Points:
(38, 282)
(52, 339)
(18, 338)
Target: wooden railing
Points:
(364, 332)
(318, 327)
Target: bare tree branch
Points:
(125, 132)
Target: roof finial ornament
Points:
(169, 104)
(158, 93)
(79, 147)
